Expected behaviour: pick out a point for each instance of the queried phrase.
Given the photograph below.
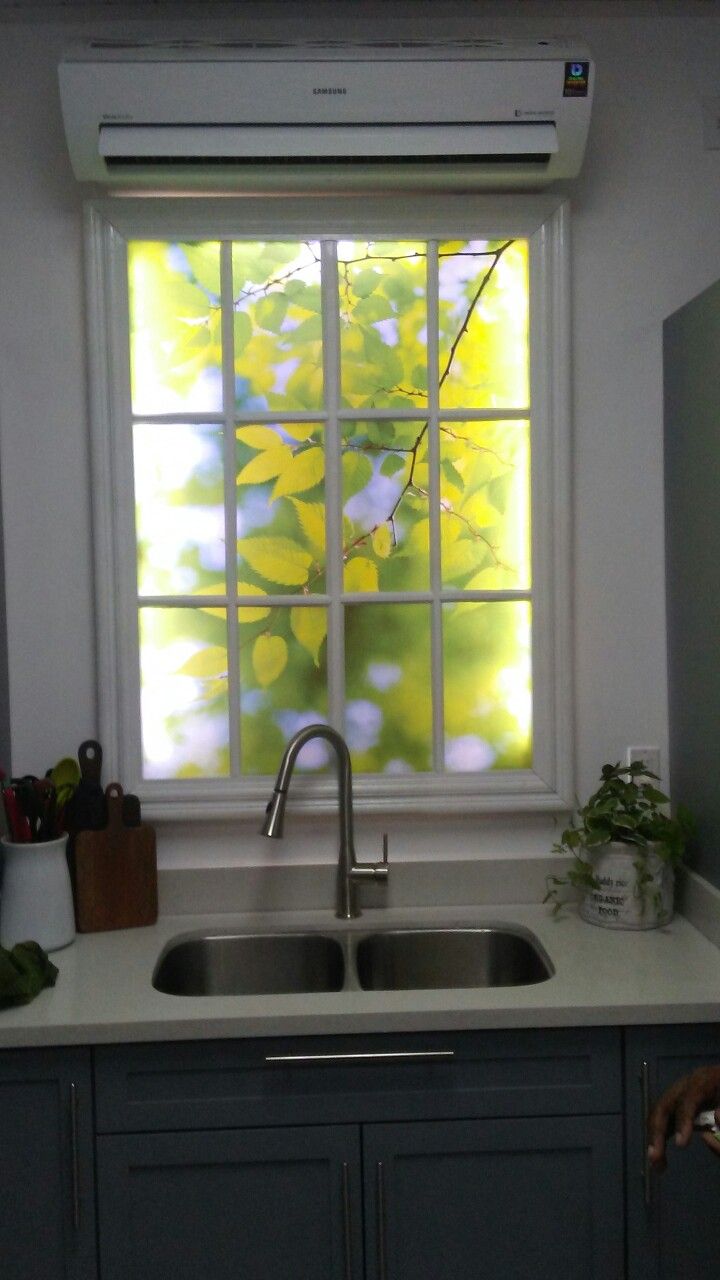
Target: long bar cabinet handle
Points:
(645, 1108)
(401, 1055)
(75, 1155)
(347, 1234)
(381, 1222)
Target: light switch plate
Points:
(650, 756)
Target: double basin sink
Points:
(393, 960)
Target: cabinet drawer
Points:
(316, 1080)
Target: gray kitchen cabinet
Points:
(673, 1219)
(47, 1207)
(276, 1204)
(438, 1155)
(530, 1199)
(456, 1155)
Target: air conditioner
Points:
(465, 114)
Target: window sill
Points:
(516, 792)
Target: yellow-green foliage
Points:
(277, 360)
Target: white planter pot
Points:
(620, 903)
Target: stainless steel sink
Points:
(222, 964)
(250, 965)
(418, 959)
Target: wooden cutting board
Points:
(115, 873)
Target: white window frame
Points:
(543, 220)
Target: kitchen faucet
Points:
(349, 872)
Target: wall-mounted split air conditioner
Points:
(462, 115)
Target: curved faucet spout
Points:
(349, 870)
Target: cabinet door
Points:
(673, 1218)
(47, 1211)
(503, 1199)
(262, 1204)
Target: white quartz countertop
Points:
(104, 990)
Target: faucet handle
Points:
(385, 848)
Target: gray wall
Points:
(692, 520)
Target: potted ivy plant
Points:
(625, 847)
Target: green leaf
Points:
(271, 311)
(392, 464)
(269, 658)
(206, 663)
(259, 437)
(382, 541)
(277, 559)
(302, 471)
(309, 626)
(307, 296)
(459, 558)
(300, 431)
(366, 282)
(245, 612)
(498, 491)
(368, 310)
(357, 471)
(361, 575)
(242, 327)
(307, 331)
(381, 433)
(452, 474)
(266, 465)
(311, 517)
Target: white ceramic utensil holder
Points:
(36, 902)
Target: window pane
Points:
(283, 684)
(388, 707)
(277, 326)
(183, 671)
(281, 507)
(175, 327)
(484, 324)
(383, 317)
(179, 509)
(485, 504)
(385, 506)
(487, 686)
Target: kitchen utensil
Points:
(86, 811)
(115, 872)
(65, 776)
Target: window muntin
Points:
(431, 510)
(112, 225)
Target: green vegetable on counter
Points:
(24, 973)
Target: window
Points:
(329, 464)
